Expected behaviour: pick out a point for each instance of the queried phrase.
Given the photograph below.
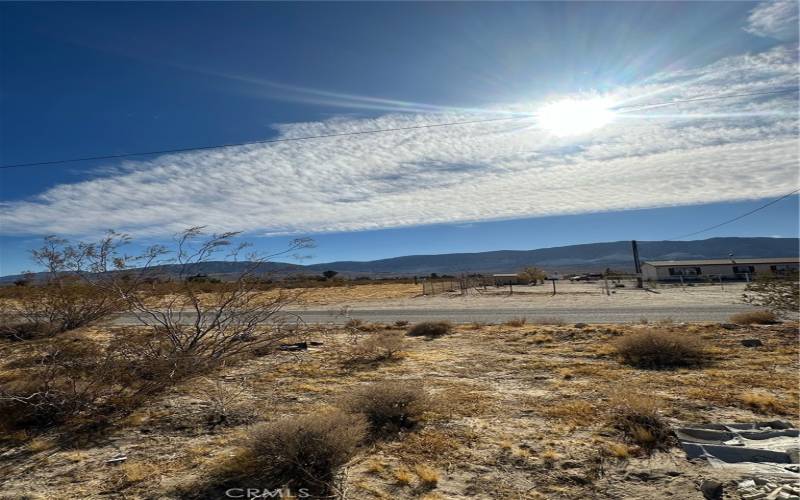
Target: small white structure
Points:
(726, 269)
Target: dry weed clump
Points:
(381, 345)
(763, 317)
(390, 407)
(299, 452)
(762, 402)
(428, 476)
(660, 349)
(430, 329)
(516, 322)
(639, 419)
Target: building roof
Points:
(511, 275)
(734, 261)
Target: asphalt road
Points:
(699, 313)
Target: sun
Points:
(575, 116)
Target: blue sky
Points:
(86, 79)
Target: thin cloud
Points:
(774, 19)
(691, 153)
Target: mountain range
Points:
(586, 257)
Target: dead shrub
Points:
(638, 418)
(516, 322)
(659, 349)
(401, 323)
(763, 317)
(84, 383)
(380, 346)
(76, 287)
(430, 329)
(299, 452)
(354, 323)
(213, 324)
(225, 403)
(66, 380)
(389, 407)
(549, 320)
(27, 330)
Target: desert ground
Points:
(409, 295)
(572, 302)
(516, 411)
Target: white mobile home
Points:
(727, 269)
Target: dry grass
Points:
(620, 451)
(576, 411)
(763, 317)
(428, 477)
(762, 402)
(502, 414)
(403, 476)
(355, 293)
(661, 349)
(516, 322)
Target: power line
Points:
(249, 143)
(736, 218)
(362, 132)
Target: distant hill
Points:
(591, 256)
(598, 256)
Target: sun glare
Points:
(575, 116)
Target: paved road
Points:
(699, 313)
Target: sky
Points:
(577, 153)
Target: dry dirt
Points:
(582, 295)
(520, 412)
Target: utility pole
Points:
(637, 264)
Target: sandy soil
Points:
(521, 412)
(585, 295)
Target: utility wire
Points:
(248, 143)
(736, 218)
(363, 132)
